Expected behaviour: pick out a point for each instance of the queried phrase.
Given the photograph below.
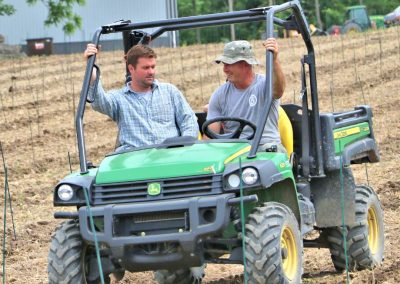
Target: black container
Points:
(39, 46)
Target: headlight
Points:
(249, 176)
(234, 180)
(65, 192)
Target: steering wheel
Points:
(235, 134)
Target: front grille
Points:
(151, 223)
(170, 188)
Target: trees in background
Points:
(321, 13)
(6, 9)
(333, 11)
(60, 11)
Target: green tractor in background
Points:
(176, 206)
(357, 20)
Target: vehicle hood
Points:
(153, 163)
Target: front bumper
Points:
(189, 239)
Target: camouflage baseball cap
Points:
(235, 51)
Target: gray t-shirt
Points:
(227, 100)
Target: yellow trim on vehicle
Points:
(366, 128)
(347, 132)
(237, 154)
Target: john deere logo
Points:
(154, 188)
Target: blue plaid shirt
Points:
(149, 118)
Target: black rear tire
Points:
(274, 247)
(193, 275)
(365, 239)
(352, 28)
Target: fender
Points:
(278, 186)
(78, 183)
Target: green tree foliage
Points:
(6, 9)
(381, 7)
(60, 11)
(200, 7)
(332, 13)
(217, 34)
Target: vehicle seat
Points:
(286, 131)
(284, 125)
(201, 118)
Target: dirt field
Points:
(38, 101)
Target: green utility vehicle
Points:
(176, 206)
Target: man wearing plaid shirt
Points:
(147, 111)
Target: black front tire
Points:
(66, 260)
(193, 275)
(274, 247)
(365, 239)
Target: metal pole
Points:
(81, 108)
(233, 34)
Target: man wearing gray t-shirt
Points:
(243, 94)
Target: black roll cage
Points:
(132, 35)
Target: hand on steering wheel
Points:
(235, 134)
